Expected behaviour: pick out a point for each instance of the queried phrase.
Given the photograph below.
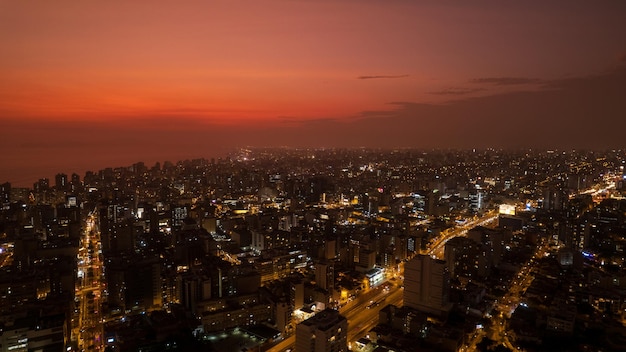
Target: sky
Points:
(86, 85)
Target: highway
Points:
(360, 319)
(87, 328)
(362, 315)
(6, 254)
(5, 259)
(436, 246)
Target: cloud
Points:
(580, 113)
(382, 76)
(506, 81)
(300, 120)
(457, 91)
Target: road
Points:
(6, 254)
(437, 245)
(511, 299)
(360, 319)
(507, 303)
(87, 329)
(5, 259)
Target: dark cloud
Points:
(375, 113)
(382, 76)
(298, 120)
(580, 113)
(506, 81)
(457, 91)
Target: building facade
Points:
(327, 331)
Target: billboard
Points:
(507, 209)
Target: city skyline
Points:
(283, 249)
(94, 85)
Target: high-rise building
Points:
(325, 276)
(327, 331)
(367, 259)
(466, 258)
(554, 197)
(43, 184)
(476, 201)
(494, 239)
(134, 283)
(191, 289)
(430, 202)
(75, 184)
(296, 294)
(427, 285)
(48, 333)
(330, 249)
(5, 194)
(61, 182)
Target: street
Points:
(87, 328)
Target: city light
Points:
(239, 265)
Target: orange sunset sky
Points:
(90, 84)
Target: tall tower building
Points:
(330, 249)
(367, 259)
(494, 239)
(43, 184)
(327, 331)
(60, 182)
(427, 285)
(134, 282)
(325, 276)
(5, 194)
(476, 201)
(75, 184)
(191, 289)
(554, 197)
(296, 294)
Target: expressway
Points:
(362, 315)
(5, 259)
(437, 245)
(87, 329)
(6, 254)
(360, 319)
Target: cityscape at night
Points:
(386, 250)
(312, 176)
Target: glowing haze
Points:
(91, 84)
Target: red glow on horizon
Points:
(96, 84)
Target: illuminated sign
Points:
(587, 254)
(507, 209)
(21, 345)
